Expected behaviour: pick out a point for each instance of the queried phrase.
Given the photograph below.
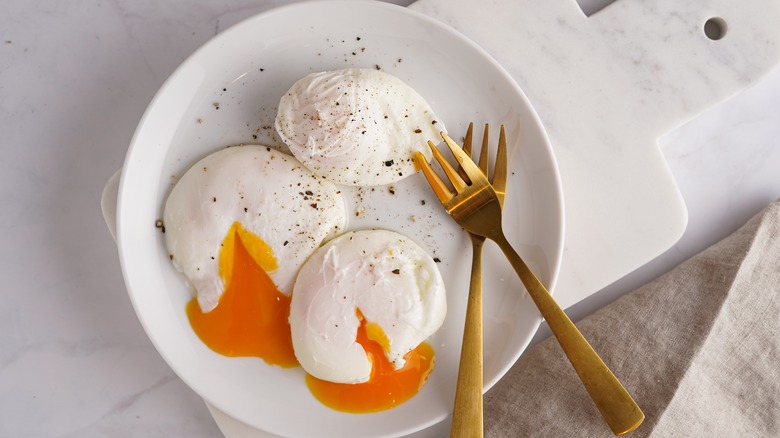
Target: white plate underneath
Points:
(227, 92)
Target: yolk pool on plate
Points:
(386, 388)
(251, 319)
(252, 316)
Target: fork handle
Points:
(616, 405)
(467, 413)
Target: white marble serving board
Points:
(607, 87)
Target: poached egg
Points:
(356, 127)
(376, 280)
(270, 194)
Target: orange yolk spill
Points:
(386, 388)
(252, 320)
(252, 316)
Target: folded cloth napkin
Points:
(698, 348)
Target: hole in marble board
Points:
(715, 28)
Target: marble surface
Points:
(75, 78)
(642, 69)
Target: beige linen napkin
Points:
(698, 348)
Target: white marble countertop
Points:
(75, 78)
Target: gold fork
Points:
(476, 208)
(467, 413)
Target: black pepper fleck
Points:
(396, 271)
(437, 260)
(389, 163)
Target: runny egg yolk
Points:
(252, 316)
(386, 388)
(251, 319)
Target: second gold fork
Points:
(467, 412)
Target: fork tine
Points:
(500, 167)
(450, 171)
(483, 154)
(464, 160)
(467, 150)
(442, 191)
(467, 141)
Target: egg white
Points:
(270, 193)
(393, 282)
(356, 127)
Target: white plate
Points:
(226, 93)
